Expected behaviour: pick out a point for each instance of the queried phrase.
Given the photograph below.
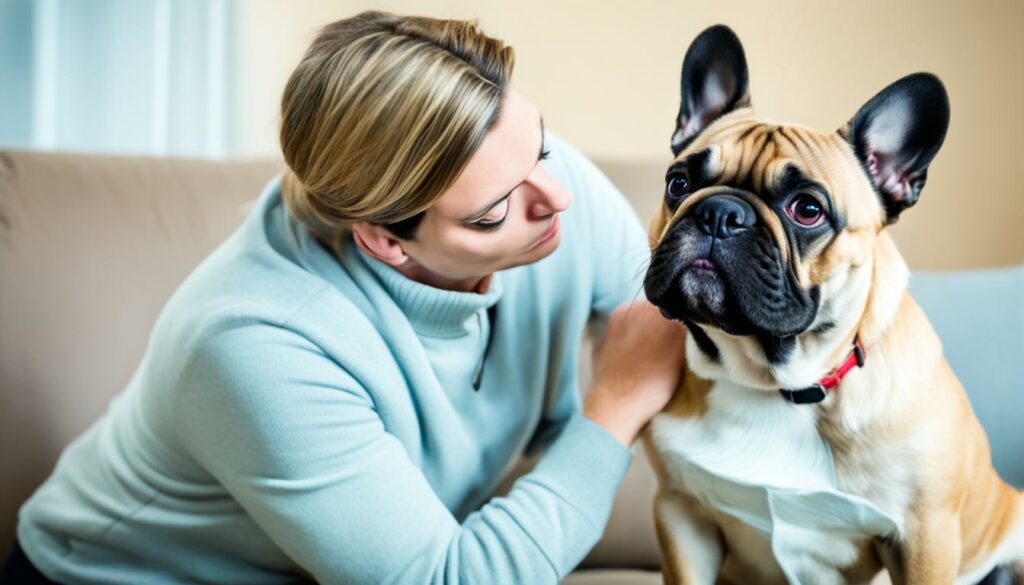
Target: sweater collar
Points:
(430, 310)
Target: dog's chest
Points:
(750, 436)
(880, 472)
(757, 458)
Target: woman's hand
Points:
(637, 369)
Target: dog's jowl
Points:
(819, 436)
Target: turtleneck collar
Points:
(432, 311)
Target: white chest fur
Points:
(761, 459)
(752, 436)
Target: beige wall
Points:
(605, 75)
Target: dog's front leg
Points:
(691, 543)
(931, 552)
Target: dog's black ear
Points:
(713, 82)
(896, 134)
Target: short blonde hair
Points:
(382, 115)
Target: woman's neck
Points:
(419, 273)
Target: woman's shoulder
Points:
(227, 340)
(248, 283)
(235, 285)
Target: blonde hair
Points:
(381, 116)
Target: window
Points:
(119, 76)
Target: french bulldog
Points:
(818, 436)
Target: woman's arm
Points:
(637, 369)
(298, 443)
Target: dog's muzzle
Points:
(719, 265)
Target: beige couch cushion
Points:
(613, 577)
(91, 247)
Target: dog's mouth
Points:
(686, 280)
(704, 292)
(740, 285)
(704, 265)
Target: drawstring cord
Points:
(478, 376)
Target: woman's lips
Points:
(547, 235)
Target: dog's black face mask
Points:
(718, 266)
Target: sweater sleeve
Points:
(298, 443)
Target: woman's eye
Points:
(806, 211)
(494, 218)
(676, 188)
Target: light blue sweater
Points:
(297, 410)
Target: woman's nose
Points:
(549, 196)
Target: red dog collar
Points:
(817, 392)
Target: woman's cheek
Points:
(475, 248)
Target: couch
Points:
(92, 246)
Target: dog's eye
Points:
(806, 211)
(676, 188)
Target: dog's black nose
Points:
(724, 216)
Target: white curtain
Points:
(118, 76)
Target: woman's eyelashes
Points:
(490, 224)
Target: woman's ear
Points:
(379, 243)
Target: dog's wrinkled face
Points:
(756, 217)
(762, 223)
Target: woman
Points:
(336, 391)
